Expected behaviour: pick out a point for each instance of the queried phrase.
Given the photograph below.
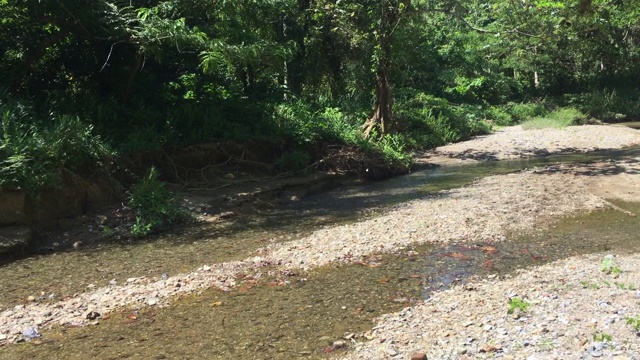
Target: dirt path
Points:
(486, 211)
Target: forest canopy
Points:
(386, 75)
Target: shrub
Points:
(394, 151)
(499, 116)
(559, 118)
(606, 105)
(154, 205)
(525, 111)
(433, 121)
(295, 161)
(33, 150)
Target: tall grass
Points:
(557, 119)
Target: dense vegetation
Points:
(83, 81)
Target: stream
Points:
(302, 316)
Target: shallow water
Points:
(302, 318)
(186, 248)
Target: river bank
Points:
(486, 211)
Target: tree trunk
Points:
(382, 118)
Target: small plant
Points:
(620, 286)
(634, 321)
(608, 265)
(107, 231)
(602, 337)
(154, 206)
(586, 284)
(518, 304)
(546, 345)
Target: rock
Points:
(77, 245)
(3, 337)
(419, 356)
(31, 333)
(206, 268)
(152, 301)
(113, 282)
(31, 298)
(338, 344)
(92, 315)
(487, 348)
(392, 352)
(55, 244)
(101, 220)
(596, 353)
(131, 280)
(229, 176)
(226, 215)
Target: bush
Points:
(295, 161)
(525, 111)
(433, 121)
(499, 116)
(394, 152)
(33, 150)
(154, 206)
(606, 105)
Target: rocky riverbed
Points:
(468, 321)
(571, 309)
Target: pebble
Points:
(392, 352)
(419, 356)
(339, 344)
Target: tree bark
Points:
(382, 118)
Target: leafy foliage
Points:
(148, 74)
(154, 206)
(518, 304)
(33, 151)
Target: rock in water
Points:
(31, 333)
